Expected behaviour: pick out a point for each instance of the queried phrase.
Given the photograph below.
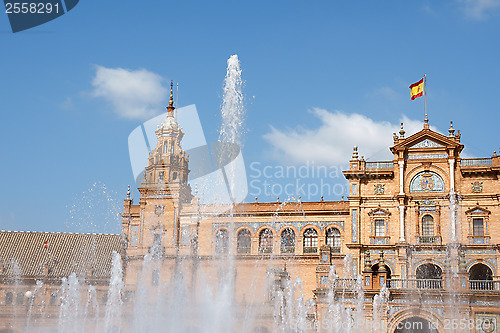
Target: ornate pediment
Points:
(428, 139)
(478, 211)
(379, 212)
(426, 143)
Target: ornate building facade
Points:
(420, 232)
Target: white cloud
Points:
(479, 9)
(333, 141)
(134, 94)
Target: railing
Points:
(465, 162)
(344, 283)
(265, 249)
(484, 285)
(429, 240)
(415, 283)
(243, 250)
(335, 249)
(380, 165)
(419, 284)
(310, 249)
(288, 249)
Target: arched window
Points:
(244, 243)
(9, 298)
(480, 277)
(427, 226)
(310, 241)
(288, 241)
(20, 299)
(333, 239)
(430, 276)
(266, 241)
(221, 241)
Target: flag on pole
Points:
(417, 89)
(46, 244)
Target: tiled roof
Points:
(55, 255)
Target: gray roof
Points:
(55, 255)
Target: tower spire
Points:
(170, 107)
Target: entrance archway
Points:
(416, 325)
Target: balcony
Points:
(335, 249)
(418, 284)
(429, 240)
(349, 284)
(287, 249)
(310, 250)
(243, 250)
(415, 284)
(475, 162)
(265, 249)
(380, 165)
(484, 285)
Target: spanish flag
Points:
(417, 89)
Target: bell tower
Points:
(153, 225)
(167, 167)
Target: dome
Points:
(170, 123)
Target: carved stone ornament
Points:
(379, 189)
(159, 209)
(477, 187)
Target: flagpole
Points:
(425, 98)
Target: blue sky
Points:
(325, 75)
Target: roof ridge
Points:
(58, 232)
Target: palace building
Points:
(420, 232)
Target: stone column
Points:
(401, 206)
(451, 161)
(402, 223)
(401, 177)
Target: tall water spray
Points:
(232, 109)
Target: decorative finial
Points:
(322, 199)
(402, 132)
(256, 200)
(368, 267)
(128, 192)
(300, 200)
(451, 130)
(171, 101)
(278, 199)
(170, 107)
(426, 121)
(355, 153)
(381, 263)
